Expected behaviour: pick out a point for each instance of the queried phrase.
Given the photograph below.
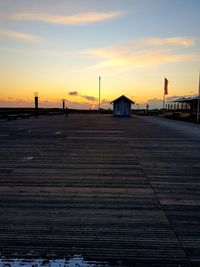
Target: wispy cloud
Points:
(105, 102)
(174, 97)
(19, 102)
(86, 97)
(78, 19)
(19, 36)
(144, 53)
(158, 103)
(171, 41)
(90, 98)
(73, 93)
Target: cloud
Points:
(51, 103)
(19, 36)
(90, 98)
(155, 100)
(15, 102)
(158, 103)
(19, 102)
(73, 93)
(172, 98)
(154, 103)
(78, 19)
(171, 41)
(87, 97)
(105, 102)
(143, 53)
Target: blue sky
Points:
(57, 46)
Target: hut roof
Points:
(122, 97)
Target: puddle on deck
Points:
(76, 261)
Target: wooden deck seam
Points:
(162, 208)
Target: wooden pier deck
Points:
(121, 190)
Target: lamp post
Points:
(36, 104)
(63, 104)
(147, 109)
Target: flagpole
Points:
(164, 103)
(198, 101)
(99, 92)
(165, 93)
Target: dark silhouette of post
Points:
(63, 104)
(99, 92)
(36, 104)
(165, 93)
(147, 112)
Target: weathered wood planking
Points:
(172, 167)
(114, 189)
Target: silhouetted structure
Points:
(63, 105)
(122, 106)
(184, 108)
(36, 104)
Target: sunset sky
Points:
(59, 48)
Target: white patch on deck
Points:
(27, 132)
(99, 131)
(27, 158)
(96, 137)
(76, 261)
(58, 132)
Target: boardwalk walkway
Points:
(120, 190)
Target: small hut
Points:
(122, 106)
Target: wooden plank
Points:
(109, 189)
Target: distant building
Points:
(187, 108)
(187, 104)
(122, 106)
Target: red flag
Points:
(166, 86)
